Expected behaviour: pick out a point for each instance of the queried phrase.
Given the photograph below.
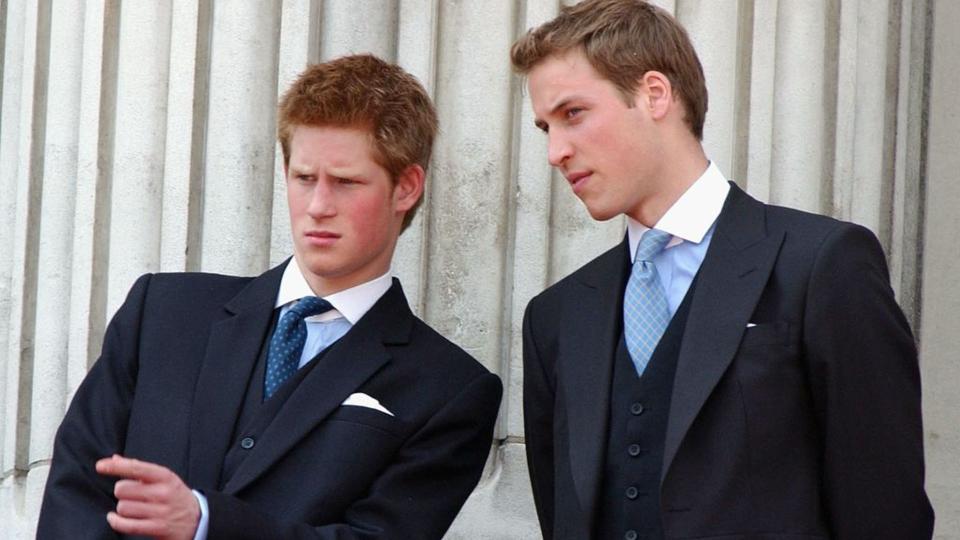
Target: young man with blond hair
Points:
(731, 369)
(307, 402)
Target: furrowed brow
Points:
(561, 105)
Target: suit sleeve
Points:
(416, 497)
(866, 384)
(538, 399)
(76, 499)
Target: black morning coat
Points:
(795, 410)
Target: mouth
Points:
(578, 180)
(321, 238)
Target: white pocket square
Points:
(751, 325)
(363, 400)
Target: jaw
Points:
(332, 269)
(599, 209)
(600, 214)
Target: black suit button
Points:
(630, 535)
(247, 443)
(632, 493)
(633, 450)
(636, 409)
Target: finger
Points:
(130, 489)
(139, 509)
(117, 465)
(142, 491)
(143, 527)
(132, 468)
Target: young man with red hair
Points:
(307, 402)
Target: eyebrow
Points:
(563, 103)
(300, 168)
(553, 110)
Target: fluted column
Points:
(239, 163)
(139, 136)
(55, 236)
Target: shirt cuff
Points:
(204, 524)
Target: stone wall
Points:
(138, 136)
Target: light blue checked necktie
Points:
(286, 345)
(645, 310)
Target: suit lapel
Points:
(343, 369)
(230, 357)
(731, 279)
(589, 343)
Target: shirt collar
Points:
(351, 304)
(692, 215)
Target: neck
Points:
(327, 284)
(685, 167)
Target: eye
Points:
(346, 181)
(304, 178)
(572, 112)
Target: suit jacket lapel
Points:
(231, 354)
(730, 282)
(345, 367)
(589, 343)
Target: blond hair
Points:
(622, 40)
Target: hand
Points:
(151, 500)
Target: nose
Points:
(558, 149)
(322, 202)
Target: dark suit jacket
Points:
(806, 425)
(171, 379)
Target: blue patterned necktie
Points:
(286, 345)
(645, 310)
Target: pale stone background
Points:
(138, 136)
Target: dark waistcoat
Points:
(639, 408)
(256, 414)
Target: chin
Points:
(316, 265)
(602, 214)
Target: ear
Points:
(408, 188)
(655, 94)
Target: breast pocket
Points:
(370, 418)
(764, 335)
(358, 435)
(769, 355)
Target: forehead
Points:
(335, 145)
(560, 77)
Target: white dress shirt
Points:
(690, 221)
(349, 306)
